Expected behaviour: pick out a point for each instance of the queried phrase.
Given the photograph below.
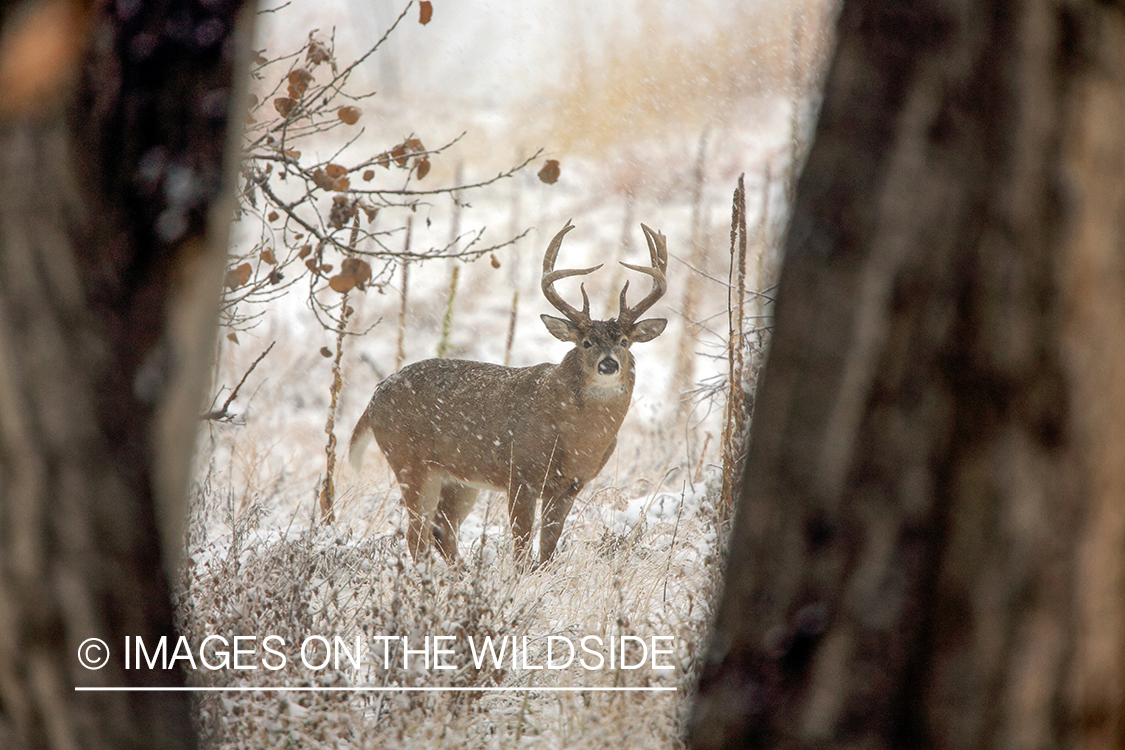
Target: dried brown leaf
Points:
(425, 12)
(299, 79)
(350, 115)
(422, 168)
(342, 212)
(368, 175)
(335, 171)
(267, 256)
(284, 105)
(237, 276)
(322, 180)
(550, 172)
(357, 268)
(325, 352)
(318, 52)
(400, 154)
(341, 283)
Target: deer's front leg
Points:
(556, 507)
(521, 515)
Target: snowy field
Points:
(653, 111)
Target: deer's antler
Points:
(550, 276)
(658, 254)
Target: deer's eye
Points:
(587, 343)
(624, 342)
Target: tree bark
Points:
(113, 224)
(929, 549)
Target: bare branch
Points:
(439, 191)
(222, 414)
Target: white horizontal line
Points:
(375, 689)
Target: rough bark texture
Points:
(112, 237)
(929, 550)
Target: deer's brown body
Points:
(450, 428)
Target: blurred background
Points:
(652, 111)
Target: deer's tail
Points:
(361, 438)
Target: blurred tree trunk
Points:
(113, 224)
(929, 549)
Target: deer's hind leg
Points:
(454, 505)
(420, 490)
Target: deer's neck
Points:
(586, 417)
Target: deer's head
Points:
(601, 347)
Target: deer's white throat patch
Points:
(606, 387)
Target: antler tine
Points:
(550, 276)
(658, 254)
(657, 247)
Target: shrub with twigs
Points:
(306, 205)
(313, 584)
(316, 217)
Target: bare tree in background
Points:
(929, 549)
(113, 164)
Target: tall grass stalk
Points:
(454, 274)
(684, 367)
(328, 487)
(400, 349)
(735, 418)
(512, 317)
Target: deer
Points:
(450, 428)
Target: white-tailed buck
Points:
(450, 428)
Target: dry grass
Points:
(653, 579)
(657, 83)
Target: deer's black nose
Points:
(608, 366)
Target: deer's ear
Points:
(647, 330)
(563, 330)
